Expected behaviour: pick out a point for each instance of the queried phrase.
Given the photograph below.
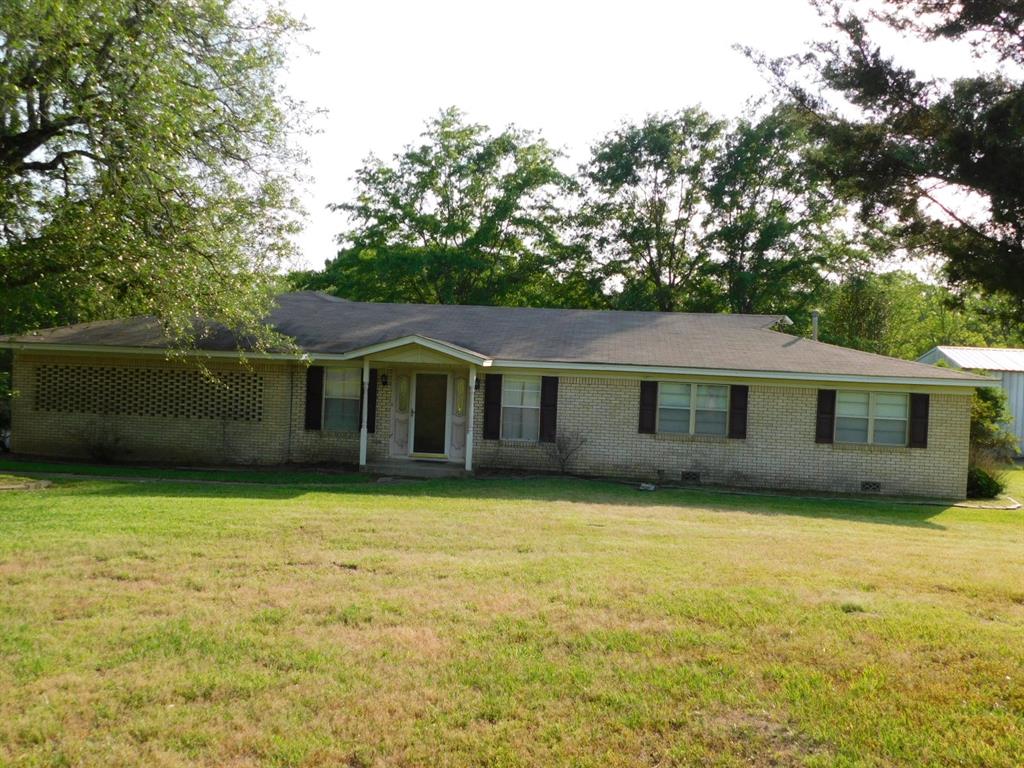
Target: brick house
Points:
(700, 398)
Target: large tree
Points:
(465, 216)
(144, 161)
(643, 218)
(899, 314)
(944, 159)
(686, 212)
(774, 223)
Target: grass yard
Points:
(504, 623)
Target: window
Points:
(341, 399)
(460, 397)
(872, 417)
(403, 394)
(520, 408)
(693, 409)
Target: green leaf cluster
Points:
(145, 166)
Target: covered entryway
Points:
(429, 420)
(429, 386)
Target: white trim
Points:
(692, 408)
(324, 398)
(363, 432)
(471, 397)
(871, 418)
(452, 350)
(742, 374)
(540, 393)
(477, 358)
(447, 414)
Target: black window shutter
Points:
(548, 408)
(492, 406)
(918, 421)
(826, 421)
(371, 403)
(738, 411)
(314, 397)
(648, 407)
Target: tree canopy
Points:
(945, 159)
(144, 160)
(465, 216)
(689, 212)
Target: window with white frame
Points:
(872, 417)
(341, 399)
(520, 408)
(693, 409)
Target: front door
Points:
(431, 413)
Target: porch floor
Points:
(415, 468)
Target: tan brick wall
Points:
(279, 437)
(779, 451)
(150, 438)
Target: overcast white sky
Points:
(571, 71)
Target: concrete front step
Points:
(416, 468)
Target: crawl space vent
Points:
(690, 477)
(870, 486)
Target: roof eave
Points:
(477, 358)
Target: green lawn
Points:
(504, 623)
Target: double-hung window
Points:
(520, 408)
(872, 417)
(341, 399)
(693, 409)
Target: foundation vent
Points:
(690, 478)
(156, 392)
(870, 486)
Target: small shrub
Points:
(566, 445)
(984, 483)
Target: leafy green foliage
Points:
(990, 414)
(648, 190)
(144, 162)
(944, 159)
(686, 212)
(464, 217)
(983, 483)
(774, 224)
(898, 314)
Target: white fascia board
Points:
(648, 370)
(460, 353)
(476, 358)
(44, 347)
(438, 346)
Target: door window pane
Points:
(403, 394)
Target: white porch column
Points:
(365, 399)
(471, 396)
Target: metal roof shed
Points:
(1006, 364)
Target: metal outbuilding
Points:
(1006, 364)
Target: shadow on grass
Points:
(534, 490)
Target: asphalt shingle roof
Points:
(322, 324)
